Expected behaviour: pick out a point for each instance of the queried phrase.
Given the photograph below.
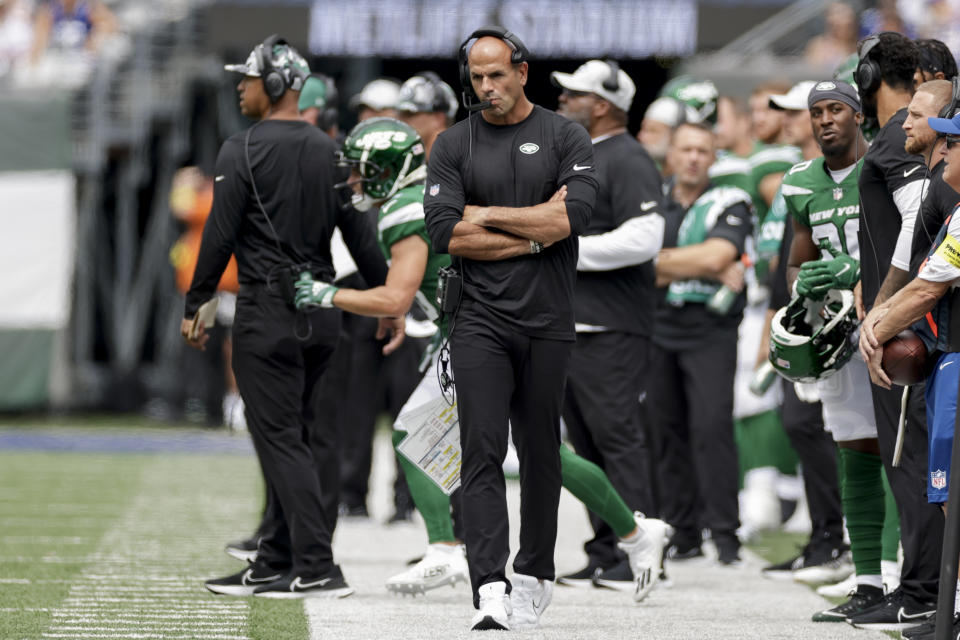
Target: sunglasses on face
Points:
(952, 141)
(575, 94)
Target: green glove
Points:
(817, 277)
(313, 293)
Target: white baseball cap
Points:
(591, 77)
(795, 99)
(378, 94)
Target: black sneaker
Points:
(291, 587)
(245, 550)
(618, 577)
(862, 599)
(784, 570)
(683, 546)
(353, 510)
(581, 578)
(245, 582)
(728, 550)
(927, 630)
(896, 611)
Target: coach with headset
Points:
(275, 207)
(508, 191)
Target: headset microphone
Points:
(470, 105)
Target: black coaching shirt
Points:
(939, 202)
(621, 299)
(292, 167)
(888, 170)
(519, 165)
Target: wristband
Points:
(536, 247)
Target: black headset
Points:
(867, 74)
(949, 110)
(471, 101)
(612, 83)
(275, 81)
(330, 114)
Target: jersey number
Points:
(829, 231)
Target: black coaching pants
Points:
(921, 523)
(691, 404)
(803, 423)
(279, 356)
(608, 373)
(502, 376)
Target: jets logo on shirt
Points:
(529, 148)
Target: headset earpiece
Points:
(867, 74)
(612, 83)
(275, 84)
(951, 108)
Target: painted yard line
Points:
(148, 616)
(138, 636)
(46, 539)
(83, 601)
(98, 595)
(25, 609)
(156, 627)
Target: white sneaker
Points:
(495, 608)
(827, 570)
(443, 564)
(529, 598)
(645, 552)
(841, 589)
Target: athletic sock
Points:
(863, 505)
(430, 500)
(891, 523)
(591, 486)
(762, 442)
(870, 581)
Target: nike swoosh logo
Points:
(299, 584)
(907, 173)
(536, 605)
(577, 167)
(249, 579)
(219, 178)
(842, 271)
(734, 221)
(903, 615)
(945, 364)
(649, 204)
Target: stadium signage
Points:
(550, 28)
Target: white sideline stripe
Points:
(14, 581)
(159, 626)
(94, 602)
(25, 609)
(46, 539)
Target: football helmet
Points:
(810, 340)
(427, 93)
(387, 154)
(698, 96)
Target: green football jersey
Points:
(401, 217)
(730, 170)
(830, 209)
(767, 159)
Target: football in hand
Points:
(904, 358)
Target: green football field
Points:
(117, 544)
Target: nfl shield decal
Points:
(938, 479)
(434, 189)
(838, 194)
